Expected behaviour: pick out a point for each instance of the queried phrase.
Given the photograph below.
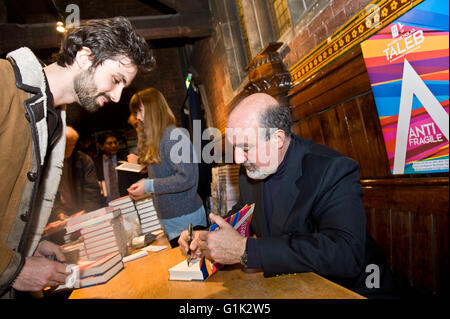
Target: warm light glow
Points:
(60, 27)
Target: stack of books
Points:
(104, 238)
(75, 245)
(102, 232)
(141, 212)
(147, 216)
(100, 270)
(224, 188)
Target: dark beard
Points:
(86, 91)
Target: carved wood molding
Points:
(375, 16)
(268, 74)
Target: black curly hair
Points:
(107, 39)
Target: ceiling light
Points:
(60, 27)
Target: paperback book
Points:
(201, 269)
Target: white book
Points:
(184, 272)
(93, 221)
(150, 223)
(147, 214)
(123, 207)
(105, 241)
(94, 234)
(100, 279)
(99, 266)
(144, 205)
(150, 228)
(146, 211)
(129, 167)
(103, 253)
(89, 215)
(108, 244)
(98, 237)
(148, 219)
(120, 201)
(128, 210)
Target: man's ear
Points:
(281, 137)
(83, 59)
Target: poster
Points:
(408, 65)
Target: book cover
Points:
(129, 167)
(201, 269)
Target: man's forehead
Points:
(123, 66)
(110, 139)
(241, 135)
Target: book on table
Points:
(91, 218)
(129, 167)
(105, 237)
(99, 271)
(202, 268)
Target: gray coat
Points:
(175, 184)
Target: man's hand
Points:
(47, 248)
(224, 245)
(40, 272)
(136, 190)
(132, 158)
(183, 242)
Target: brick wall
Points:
(320, 21)
(318, 24)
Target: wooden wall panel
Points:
(423, 255)
(379, 227)
(375, 141)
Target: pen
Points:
(189, 244)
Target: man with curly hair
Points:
(96, 62)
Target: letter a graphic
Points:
(413, 84)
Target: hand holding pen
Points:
(189, 244)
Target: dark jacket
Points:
(318, 223)
(85, 186)
(125, 179)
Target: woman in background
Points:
(173, 182)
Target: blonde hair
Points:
(157, 117)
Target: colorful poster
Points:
(408, 65)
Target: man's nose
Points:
(116, 93)
(239, 156)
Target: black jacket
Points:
(125, 179)
(85, 186)
(319, 223)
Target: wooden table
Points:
(148, 278)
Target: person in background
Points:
(95, 63)
(114, 183)
(173, 182)
(78, 189)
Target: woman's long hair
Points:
(157, 117)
